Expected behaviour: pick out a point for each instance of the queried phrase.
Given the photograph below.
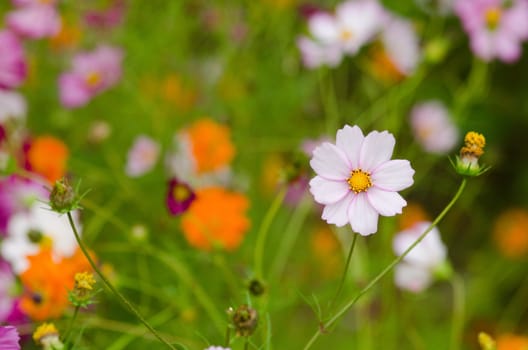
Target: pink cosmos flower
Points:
(401, 44)
(433, 128)
(34, 21)
(13, 67)
(415, 272)
(315, 54)
(12, 106)
(92, 73)
(142, 156)
(9, 338)
(106, 18)
(357, 181)
(496, 28)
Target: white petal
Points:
(429, 253)
(376, 149)
(330, 162)
(337, 213)
(324, 27)
(411, 277)
(328, 191)
(349, 140)
(387, 203)
(394, 175)
(363, 217)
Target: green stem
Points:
(458, 311)
(228, 335)
(246, 345)
(67, 334)
(345, 271)
(351, 303)
(263, 232)
(107, 283)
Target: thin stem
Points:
(107, 283)
(228, 336)
(67, 334)
(246, 345)
(345, 271)
(263, 232)
(386, 270)
(458, 311)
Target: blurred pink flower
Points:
(107, 18)
(357, 181)
(433, 128)
(496, 28)
(92, 73)
(179, 196)
(12, 106)
(415, 272)
(142, 156)
(13, 67)
(34, 21)
(401, 44)
(9, 338)
(345, 32)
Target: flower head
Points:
(142, 156)
(9, 338)
(47, 336)
(12, 106)
(179, 196)
(416, 271)
(357, 181)
(496, 28)
(216, 218)
(245, 320)
(92, 73)
(35, 21)
(13, 65)
(467, 163)
(433, 128)
(83, 290)
(47, 156)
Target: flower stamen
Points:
(493, 17)
(359, 181)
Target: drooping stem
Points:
(386, 270)
(107, 283)
(345, 271)
(458, 311)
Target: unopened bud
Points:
(245, 320)
(62, 196)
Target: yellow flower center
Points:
(475, 139)
(84, 281)
(346, 35)
(43, 331)
(93, 79)
(493, 17)
(180, 193)
(359, 181)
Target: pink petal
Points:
(508, 49)
(412, 277)
(349, 140)
(376, 149)
(327, 191)
(35, 21)
(73, 92)
(394, 175)
(387, 203)
(362, 216)
(481, 45)
(330, 162)
(337, 213)
(323, 27)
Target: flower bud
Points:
(62, 196)
(245, 320)
(83, 290)
(256, 287)
(467, 162)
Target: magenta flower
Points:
(9, 338)
(92, 73)
(142, 156)
(179, 196)
(496, 28)
(107, 18)
(13, 67)
(34, 20)
(357, 181)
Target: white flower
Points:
(142, 156)
(217, 348)
(357, 181)
(401, 44)
(27, 231)
(433, 128)
(415, 272)
(315, 54)
(12, 106)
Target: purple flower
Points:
(179, 196)
(34, 21)
(9, 338)
(13, 67)
(92, 73)
(357, 181)
(496, 28)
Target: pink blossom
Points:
(357, 181)
(9, 338)
(34, 21)
(495, 29)
(107, 18)
(415, 272)
(179, 196)
(13, 67)
(433, 128)
(142, 156)
(401, 44)
(92, 73)
(12, 106)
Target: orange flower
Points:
(211, 145)
(512, 342)
(511, 233)
(412, 214)
(47, 156)
(216, 218)
(327, 251)
(46, 284)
